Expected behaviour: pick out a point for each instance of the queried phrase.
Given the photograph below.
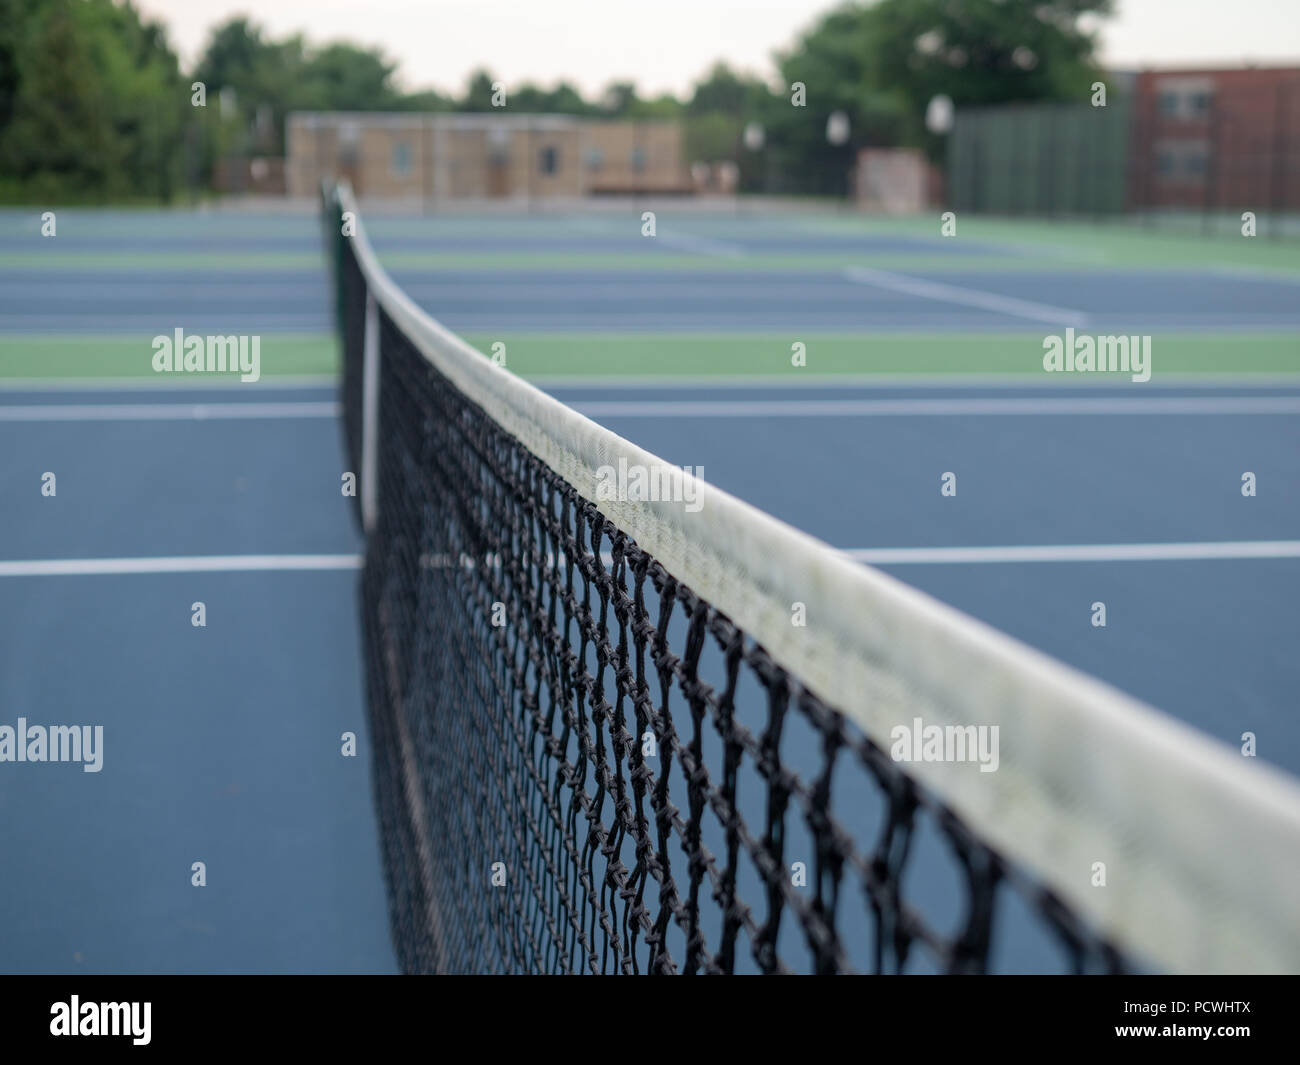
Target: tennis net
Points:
(635, 735)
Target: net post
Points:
(370, 416)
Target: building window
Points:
(349, 139)
(401, 159)
(1184, 100)
(1182, 161)
(549, 160)
(498, 145)
(638, 158)
(595, 159)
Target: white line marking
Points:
(129, 320)
(989, 301)
(1256, 273)
(876, 556)
(825, 408)
(160, 383)
(701, 245)
(93, 567)
(132, 412)
(885, 381)
(218, 292)
(902, 556)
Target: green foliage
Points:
(664, 106)
(260, 73)
(425, 100)
(91, 103)
(93, 106)
(984, 51)
(881, 64)
(564, 99)
(343, 77)
(724, 92)
(478, 94)
(619, 100)
(272, 78)
(713, 136)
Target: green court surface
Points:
(684, 356)
(744, 356)
(129, 358)
(145, 247)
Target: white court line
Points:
(901, 556)
(885, 381)
(132, 412)
(15, 322)
(701, 245)
(160, 383)
(989, 301)
(824, 408)
(1256, 273)
(94, 567)
(876, 556)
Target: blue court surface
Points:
(224, 744)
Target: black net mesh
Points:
(583, 766)
(350, 291)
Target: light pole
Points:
(938, 120)
(753, 138)
(837, 135)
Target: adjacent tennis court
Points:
(223, 743)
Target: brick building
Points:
(1216, 139)
(432, 157)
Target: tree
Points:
(236, 56)
(16, 18)
(343, 77)
(882, 64)
(983, 51)
(478, 93)
(722, 91)
(263, 75)
(425, 100)
(92, 105)
(564, 99)
(665, 105)
(833, 63)
(567, 100)
(619, 99)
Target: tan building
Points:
(482, 156)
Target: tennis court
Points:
(230, 754)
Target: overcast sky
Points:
(666, 44)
